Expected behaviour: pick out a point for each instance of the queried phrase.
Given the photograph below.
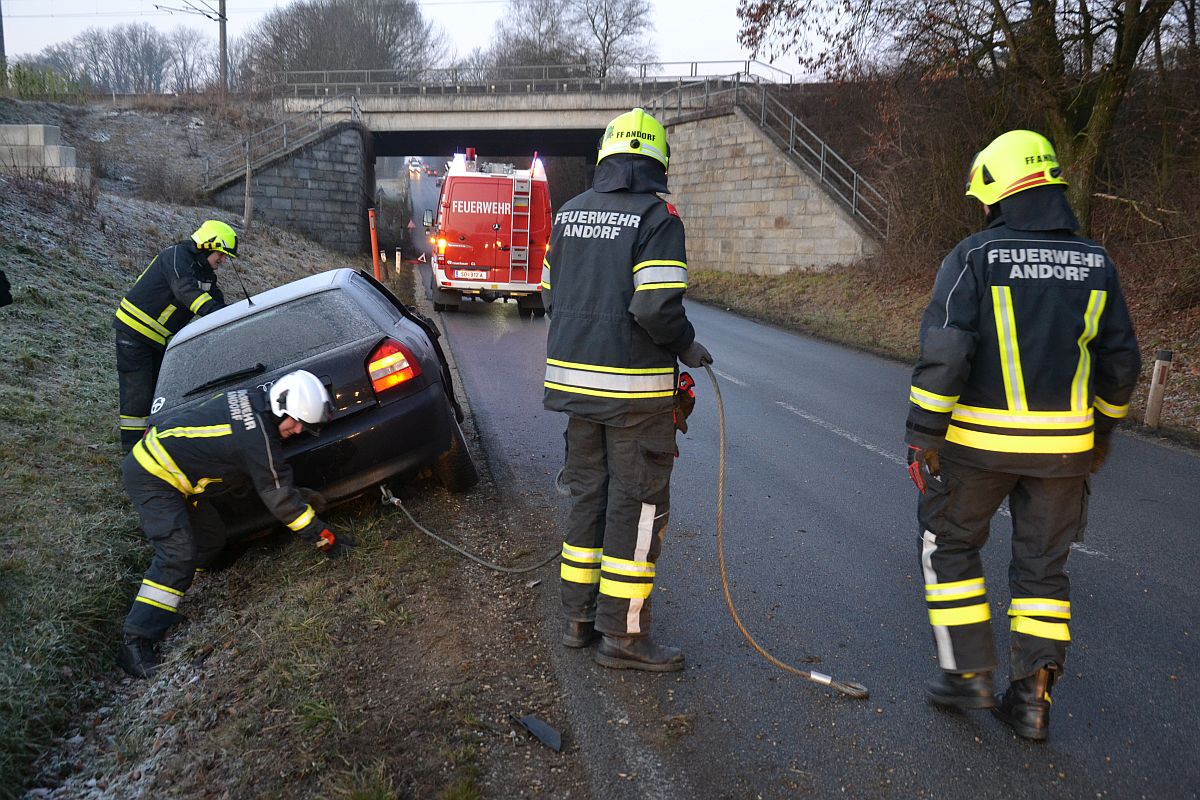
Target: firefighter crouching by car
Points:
(1028, 360)
(614, 281)
(179, 284)
(225, 442)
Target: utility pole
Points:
(224, 50)
(3, 58)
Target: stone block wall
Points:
(321, 191)
(748, 208)
(38, 150)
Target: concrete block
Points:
(19, 156)
(56, 155)
(48, 135)
(14, 135)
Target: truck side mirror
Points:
(428, 218)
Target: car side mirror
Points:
(428, 218)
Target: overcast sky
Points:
(685, 30)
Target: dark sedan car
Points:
(394, 406)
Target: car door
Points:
(471, 230)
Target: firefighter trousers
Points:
(955, 516)
(138, 363)
(187, 534)
(620, 481)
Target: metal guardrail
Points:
(542, 78)
(279, 138)
(752, 96)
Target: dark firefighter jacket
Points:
(1027, 347)
(177, 286)
(221, 444)
(613, 283)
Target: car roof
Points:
(264, 300)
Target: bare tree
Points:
(537, 33)
(344, 35)
(1069, 63)
(615, 32)
(192, 63)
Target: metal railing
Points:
(541, 78)
(279, 138)
(753, 97)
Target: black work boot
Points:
(1025, 707)
(627, 652)
(578, 634)
(967, 691)
(138, 657)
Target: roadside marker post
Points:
(374, 244)
(1158, 386)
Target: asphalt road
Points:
(821, 541)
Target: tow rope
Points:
(855, 690)
(850, 688)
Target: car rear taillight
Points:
(391, 364)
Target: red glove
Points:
(685, 401)
(920, 461)
(334, 546)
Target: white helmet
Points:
(301, 396)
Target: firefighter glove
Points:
(685, 401)
(1100, 450)
(922, 461)
(696, 355)
(334, 546)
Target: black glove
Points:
(685, 401)
(1100, 450)
(334, 546)
(696, 355)
(920, 461)
(315, 499)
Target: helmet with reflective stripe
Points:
(216, 235)
(635, 132)
(301, 396)
(1013, 162)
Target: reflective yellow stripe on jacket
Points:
(602, 381)
(154, 458)
(659, 274)
(142, 322)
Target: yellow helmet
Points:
(216, 235)
(635, 132)
(1013, 162)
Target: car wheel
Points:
(539, 312)
(451, 307)
(455, 469)
(439, 306)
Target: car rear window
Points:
(274, 337)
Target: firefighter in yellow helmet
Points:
(179, 284)
(614, 280)
(1028, 360)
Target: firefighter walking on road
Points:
(229, 442)
(1028, 360)
(614, 280)
(179, 284)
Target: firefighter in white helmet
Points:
(1028, 360)
(613, 284)
(228, 441)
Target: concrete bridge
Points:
(762, 192)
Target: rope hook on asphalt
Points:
(389, 498)
(855, 690)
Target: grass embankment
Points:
(70, 546)
(857, 307)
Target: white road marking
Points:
(895, 459)
(729, 378)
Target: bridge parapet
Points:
(642, 79)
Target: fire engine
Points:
(490, 232)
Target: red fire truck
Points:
(489, 233)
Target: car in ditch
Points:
(395, 410)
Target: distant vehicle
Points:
(491, 229)
(394, 406)
(415, 166)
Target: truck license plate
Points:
(470, 274)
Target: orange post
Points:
(374, 244)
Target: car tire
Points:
(539, 312)
(439, 306)
(455, 468)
